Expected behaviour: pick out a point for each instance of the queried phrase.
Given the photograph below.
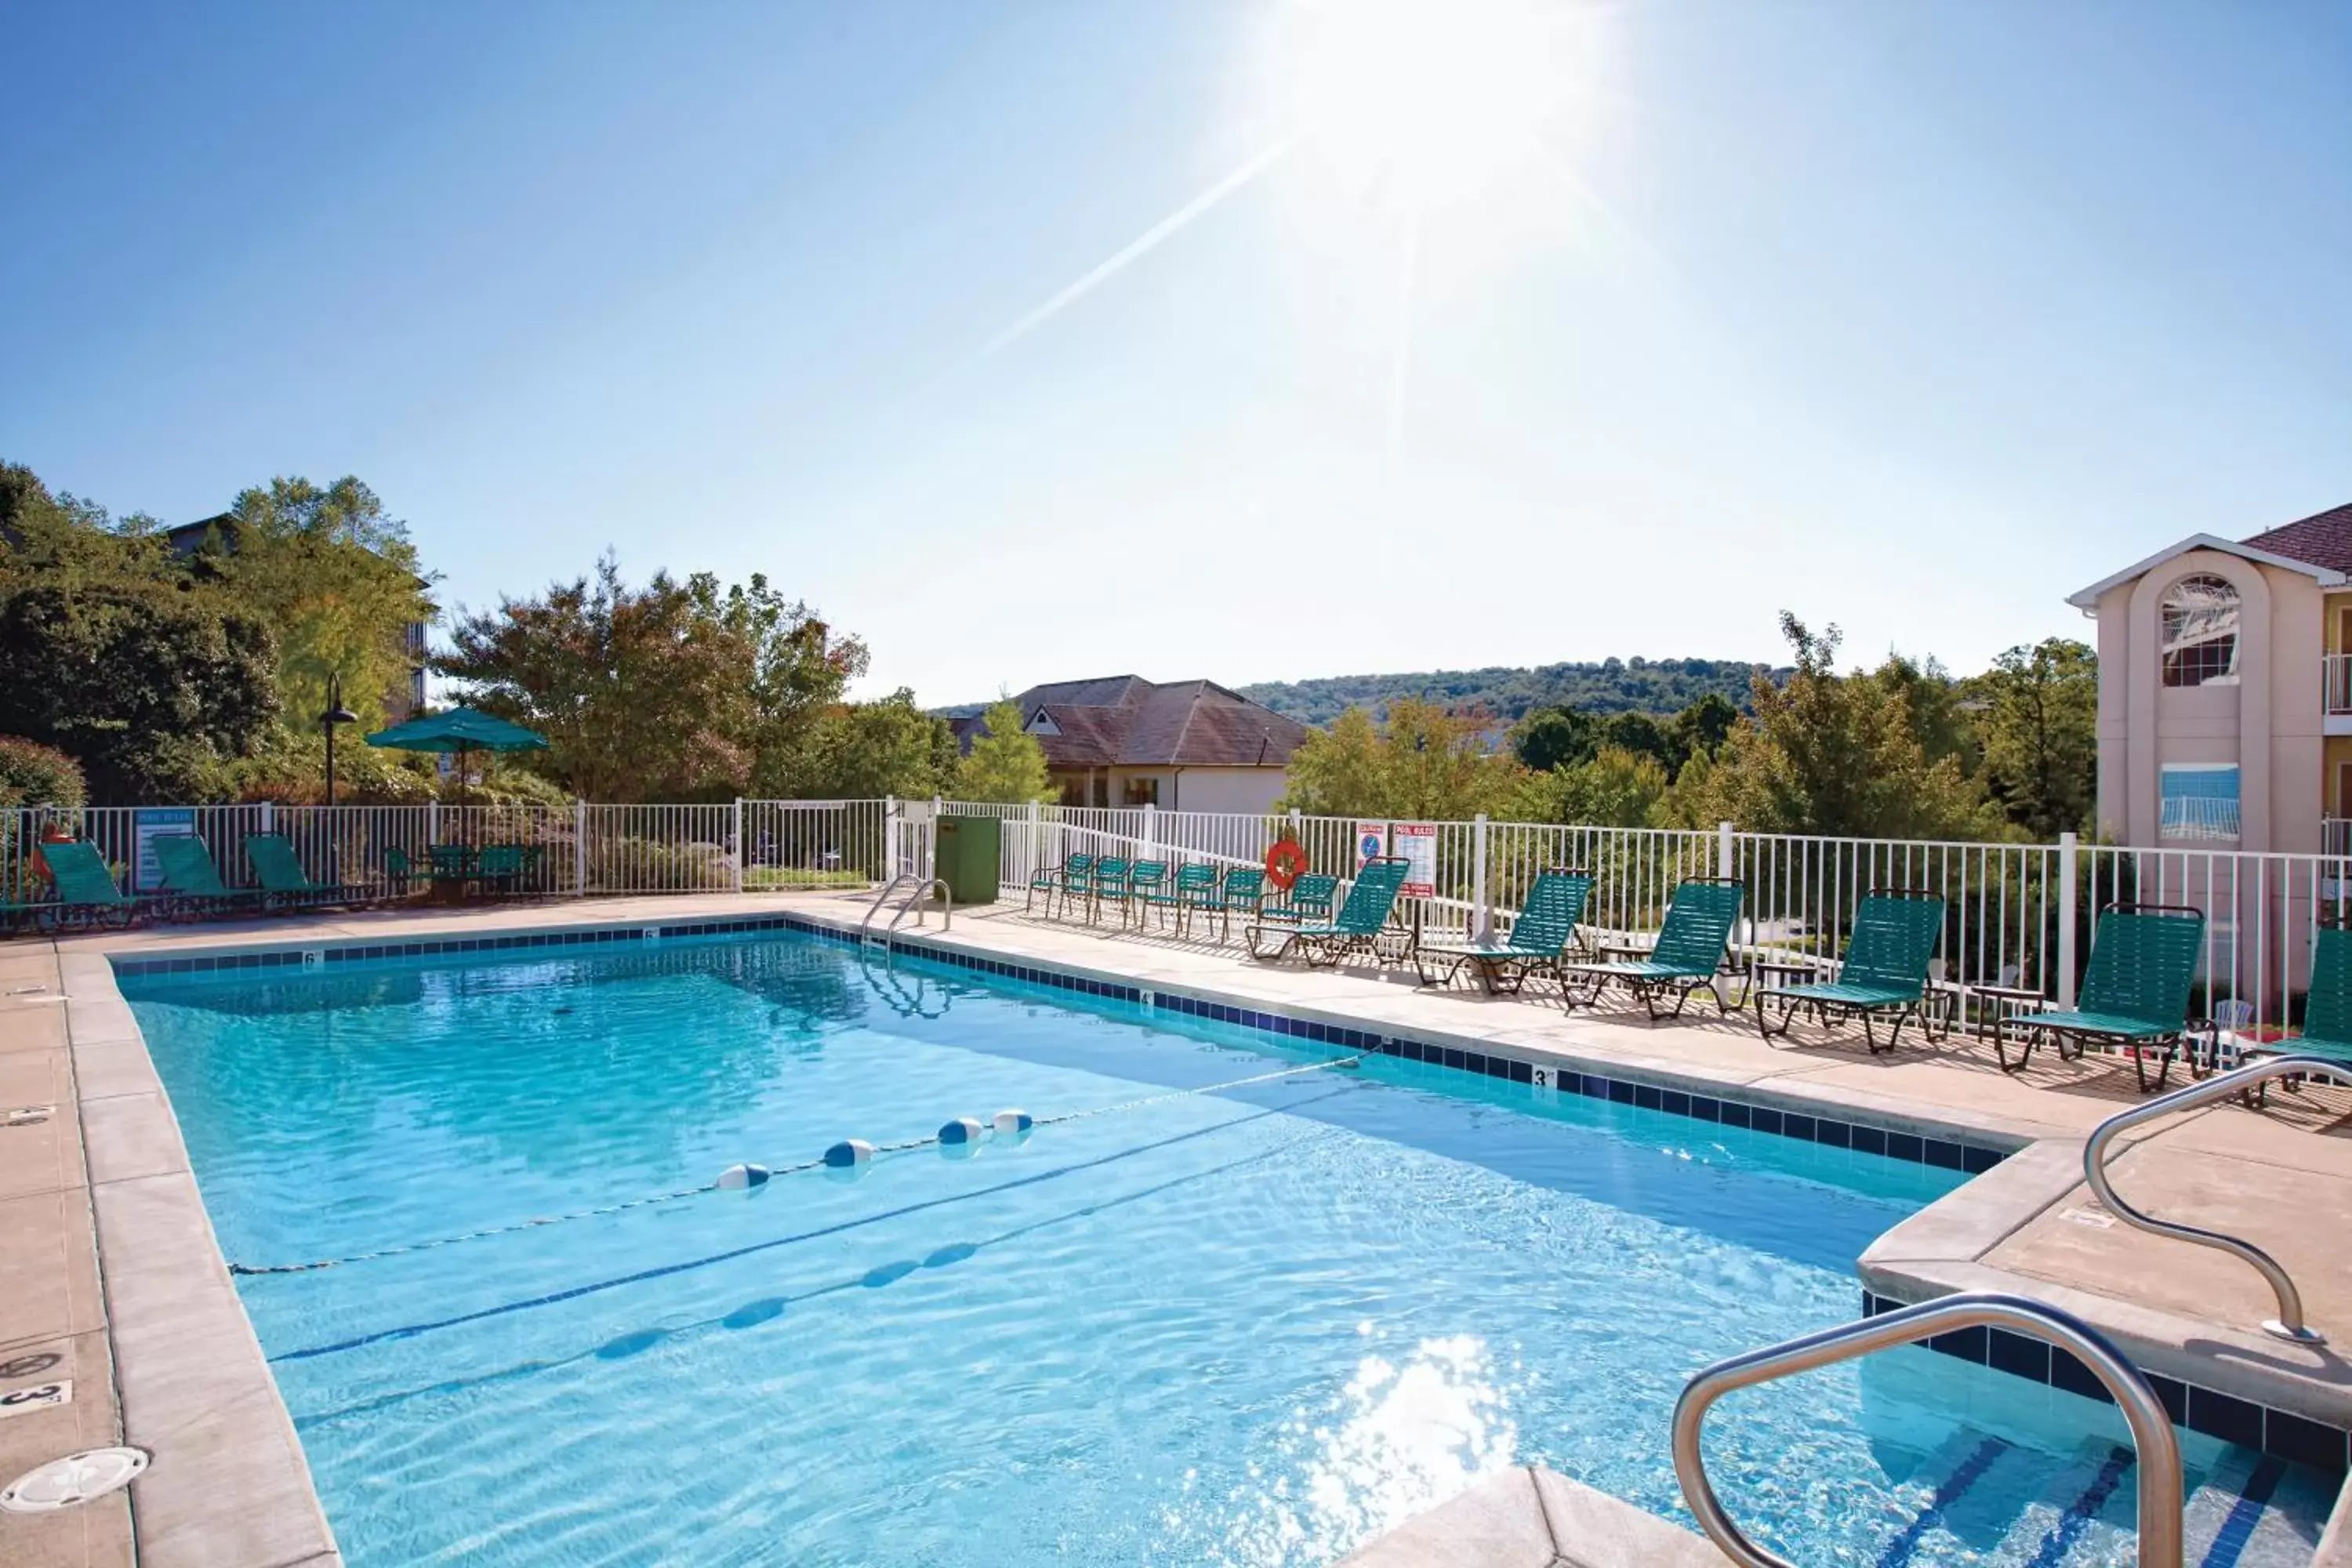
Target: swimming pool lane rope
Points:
(747, 1176)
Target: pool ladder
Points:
(913, 902)
(2160, 1486)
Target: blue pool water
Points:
(1250, 1327)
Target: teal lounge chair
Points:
(194, 882)
(1540, 935)
(1355, 928)
(1686, 957)
(499, 868)
(401, 872)
(2135, 992)
(1074, 874)
(1310, 899)
(2327, 1010)
(87, 893)
(281, 875)
(1886, 970)
(1245, 889)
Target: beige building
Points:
(1189, 745)
(2225, 691)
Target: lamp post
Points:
(336, 713)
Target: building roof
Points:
(2318, 546)
(1125, 721)
(2323, 538)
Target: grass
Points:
(774, 879)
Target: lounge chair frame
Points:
(1549, 923)
(2105, 1015)
(1650, 979)
(1877, 975)
(1357, 927)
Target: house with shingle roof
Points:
(2225, 691)
(1191, 746)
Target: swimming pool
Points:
(1253, 1326)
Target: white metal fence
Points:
(2017, 915)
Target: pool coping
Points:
(1899, 1268)
(229, 1486)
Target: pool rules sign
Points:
(1414, 843)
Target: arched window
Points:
(2200, 632)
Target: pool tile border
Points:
(2281, 1434)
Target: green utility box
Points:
(968, 850)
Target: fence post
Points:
(737, 835)
(1726, 858)
(268, 816)
(931, 845)
(1483, 912)
(2068, 852)
(1036, 842)
(578, 849)
(433, 821)
(889, 837)
(1151, 827)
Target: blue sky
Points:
(1502, 333)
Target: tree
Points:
(1426, 762)
(678, 690)
(152, 691)
(1642, 735)
(1701, 729)
(1551, 737)
(1834, 754)
(62, 541)
(1006, 764)
(865, 750)
(338, 583)
(2039, 724)
(1616, 788)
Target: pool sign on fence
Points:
(1371, 842)
(152, 823)
(1416, 842)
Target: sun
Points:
(1425, 102)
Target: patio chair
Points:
(87, 893)
(499, 868)
(1540, 935)
(451, 864)
(1195, 887)
(1310, 899)
(1075, 871)
(401, 872)
(1144, 880)
(194, 882)
(282, 876)
(1886, 970)
(1110, 883)
(1355, 928)
(1686, 957)
(2327, 1010)
(2134, 992)
(1245, 889)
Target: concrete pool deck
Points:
(145, 1304)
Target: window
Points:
(1143, 792)
(2198, 800)
(2200, 632)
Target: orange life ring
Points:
(1285, 862)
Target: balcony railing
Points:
(2335, 685)
(2197, 816)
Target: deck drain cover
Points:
(76, 1479)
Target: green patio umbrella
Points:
(458, 730)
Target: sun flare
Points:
(1428, 101)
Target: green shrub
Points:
(35, 775)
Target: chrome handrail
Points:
(947, 904)
(2289, 1324)
(2151, 1429)
(864, 932)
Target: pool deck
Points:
(107, 1259)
